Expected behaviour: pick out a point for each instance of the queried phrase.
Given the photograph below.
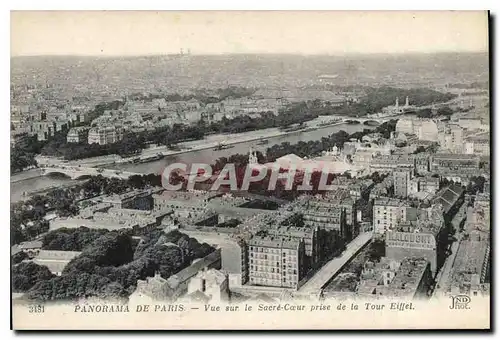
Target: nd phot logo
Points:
(460, 302)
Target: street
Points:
(330, 269)
(443, 277)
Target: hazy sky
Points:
(140, 33)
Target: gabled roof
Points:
(31, 245)
(448, 196)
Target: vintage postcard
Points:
(250, 170)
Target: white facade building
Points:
(388, 213)
(105, 135)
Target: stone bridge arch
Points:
(49, 172)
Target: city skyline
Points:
(114, 33)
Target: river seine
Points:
(200, 156)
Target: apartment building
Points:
(18, 140)
(388, 213)
(452, 162)
(402, 177)
(275, 261)
(77, 134)
(309, 234)
(105, 135)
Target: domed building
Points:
(428, 131)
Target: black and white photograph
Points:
(263, 170)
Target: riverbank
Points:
(214, 141)
(24, 189)
(153, 154)
(201, 152)
(198, 151)
(209, 142)
(25, 175)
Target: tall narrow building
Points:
(402, 177)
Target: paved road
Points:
(443, 276)
(329, 270)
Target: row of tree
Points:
(440, 112)
(23, 156)
(27, 274)
(201, 95)
(130, 145)
(296, 113)
(111, 266)
(20, 160)
(27, 217)
(71, 239)
(376, 99)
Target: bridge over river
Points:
(76, 172)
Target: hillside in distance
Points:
(174, 73)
